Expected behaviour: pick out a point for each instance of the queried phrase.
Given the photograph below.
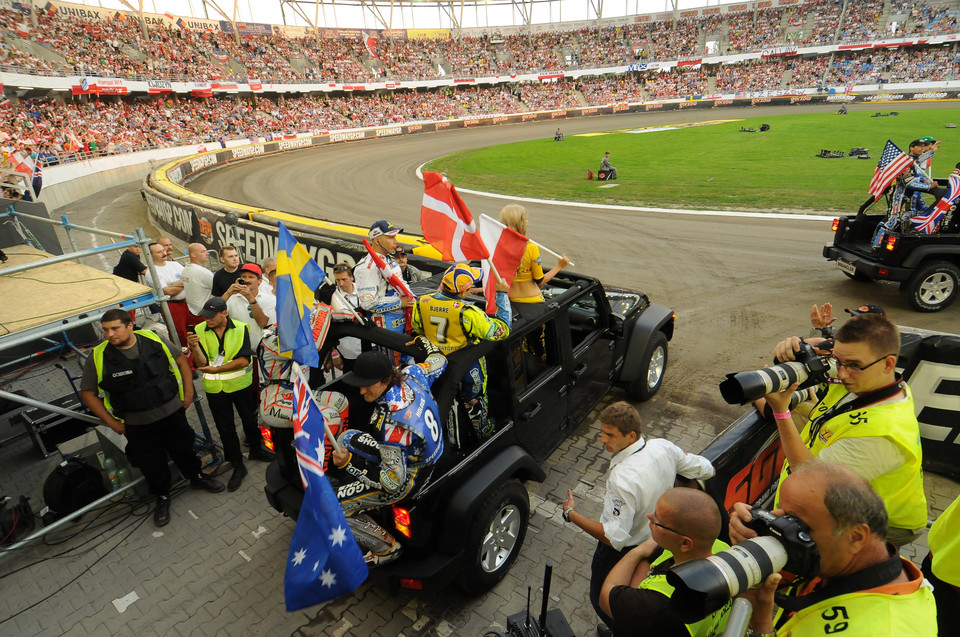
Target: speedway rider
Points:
(407, 441)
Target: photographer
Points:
(866, 421)
(247, 302)
(864, 587)
(684, 526)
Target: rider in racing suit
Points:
(451, 323)
(406, 442)
(377, 297)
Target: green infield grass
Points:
(711, 166)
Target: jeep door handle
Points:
(579, 371)
(529, 414)
(563, 391)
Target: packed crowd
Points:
(121, 48)
(66, 131)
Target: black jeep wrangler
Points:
(468, 521)
(927, 266)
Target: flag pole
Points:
(548, 250)
(297, 369)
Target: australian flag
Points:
(325, 561)
(928, 221)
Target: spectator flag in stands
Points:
(50, 9)
(507, 247)
(892, 162)
(929, 220)
(446, 221)
(369, 41)
(22, 30)
(324, 561)
(298, 276)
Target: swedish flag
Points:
(297, 277)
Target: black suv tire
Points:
(654, 367)
(495, 536)
(932, 287)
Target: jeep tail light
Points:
(411, 584)
(267, 438)
(891, 243)
(883, 272)
(835, 225)
(401, 520)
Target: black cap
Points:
(383, 227)
(213, 306)
(369, 369)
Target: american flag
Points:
(929, 220)
(893, 161)
(324, 560)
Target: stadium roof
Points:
(403, 14)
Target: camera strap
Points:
(856, 404)
(870, 577)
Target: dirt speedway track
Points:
(738, 284)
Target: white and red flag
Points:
(446, 221)
(506, 251)
(369, 41)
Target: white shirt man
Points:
(168, 272)
(197, 279)
(346, 300)
(247, 303)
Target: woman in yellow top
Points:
(530, 276)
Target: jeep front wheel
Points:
(494, 537)
(652, 369)
(932, 287)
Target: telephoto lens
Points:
(704, 585)
(808, 369)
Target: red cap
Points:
(251, 267)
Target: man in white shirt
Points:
(246, 302)
(640, 472)
(348, 348)
(169, 274)
(269, 268)
(197, 281)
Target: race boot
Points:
(380, 546)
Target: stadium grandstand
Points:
(82, 81)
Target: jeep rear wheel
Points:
(653, 367)
(932, 287)
(494, 537)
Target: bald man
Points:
(269, 283)
(864, 586)
(197, 281)
(683, 526)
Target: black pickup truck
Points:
(927, 266)
(469, 520)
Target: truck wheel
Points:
(932, 287)
(494, 537)
(654, 366)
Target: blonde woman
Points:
(530, 276)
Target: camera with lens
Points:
(808, 369)
(704, 585)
